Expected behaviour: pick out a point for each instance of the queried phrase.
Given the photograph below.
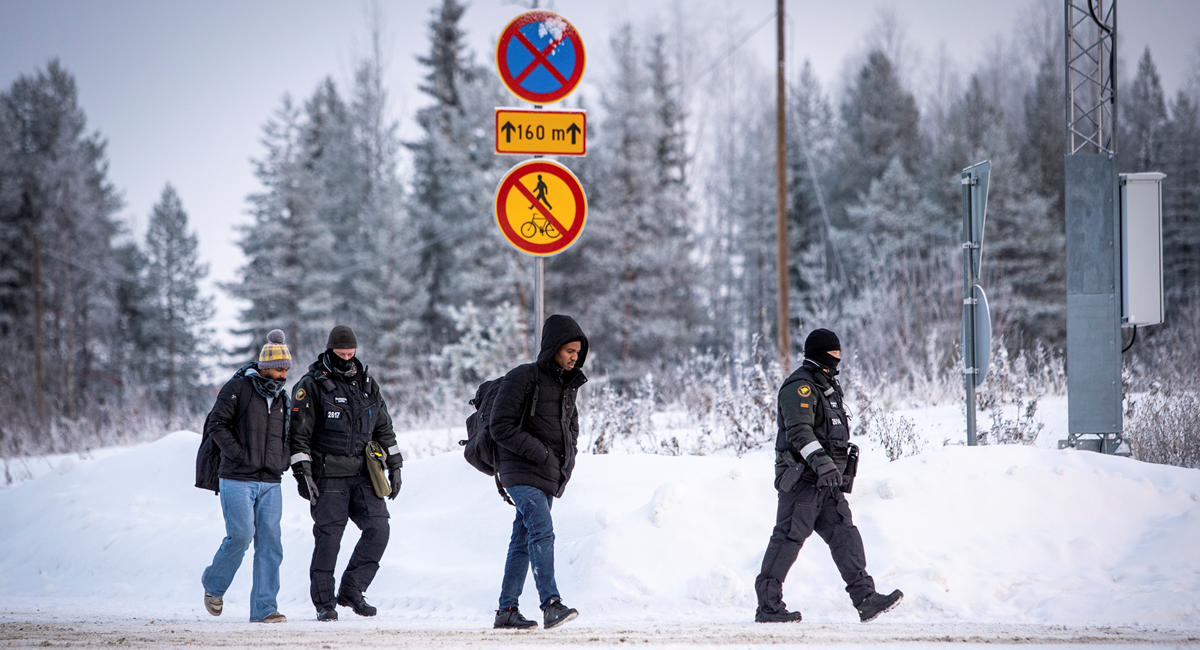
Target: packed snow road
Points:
(210, 634)
(990, 544)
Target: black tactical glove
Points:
(305, 484)
(394, 479)
(827, 472)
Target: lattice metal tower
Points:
(1091, 76)
(1094, 416)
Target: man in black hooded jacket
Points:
(535, 424)
(811, 452)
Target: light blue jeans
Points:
(252, 512)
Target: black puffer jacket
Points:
(536, 442)
(253, 446)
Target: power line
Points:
(713, 66)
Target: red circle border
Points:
(559, 171)
(502, 59)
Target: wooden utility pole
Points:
(785, 334)
(37, 327)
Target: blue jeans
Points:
(532, 543)
(252, 513)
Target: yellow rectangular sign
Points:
(541, 132)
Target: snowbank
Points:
(985, 534)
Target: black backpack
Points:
(480, 448)
(208, 456)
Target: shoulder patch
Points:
(300, 394)
(804, 390)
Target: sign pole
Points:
(785, 335)
(969, 365)
(539, 290)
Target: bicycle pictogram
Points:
(531, 227)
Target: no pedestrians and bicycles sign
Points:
(540, 207)
(540, 57)
(541, 133)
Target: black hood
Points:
(558, 331)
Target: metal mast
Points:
(1093, 229)
(1091, 76)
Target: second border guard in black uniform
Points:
(811, 455)
(337, 411)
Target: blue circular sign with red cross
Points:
(540, 57)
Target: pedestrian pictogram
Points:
(540, 207)
(540, 57)
(541, 133)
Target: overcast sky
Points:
(181, 88)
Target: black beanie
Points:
(342, 338)
(818, 345)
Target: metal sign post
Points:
(976, 321)
(539, 290)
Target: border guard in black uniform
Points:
(811, 457)
(338, 412)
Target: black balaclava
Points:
(818, 345)
(341, 338)
(339, 364)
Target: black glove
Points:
(394, 479)
(828, 474)
(305, 484)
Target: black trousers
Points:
(805, 509)
(341, 499)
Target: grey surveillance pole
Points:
(976, 321)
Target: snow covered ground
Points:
(989, 544)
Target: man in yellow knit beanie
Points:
(249, 424)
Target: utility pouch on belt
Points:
(851, 468)
(791, 475)
(375, 457)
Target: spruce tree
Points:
(287, 247)
(455, 173)
(635, 261)
(881, 123)
(1044, 143)
(1179, 157)
(1142, 117)
(176, 329)
(53, 183)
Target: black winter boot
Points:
(780, 616)
(355, 601)
(557, 613)
(327, 613)
(510, 619)
(875, 604)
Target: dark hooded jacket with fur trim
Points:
(534, 419)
